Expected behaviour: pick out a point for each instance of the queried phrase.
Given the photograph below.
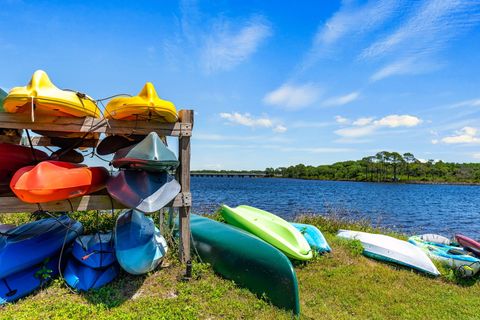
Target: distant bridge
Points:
(228, 175)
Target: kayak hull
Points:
(84, 278)
(270, 228)
(139, 246)
(94, 250)
(314, 237)
(389, 249)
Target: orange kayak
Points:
(57, 180)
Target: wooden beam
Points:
(183, 176)
(11, 204)
(47, 142)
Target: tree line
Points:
(384, 166)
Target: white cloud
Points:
(293, 97)
(367, 126)
(310, 124)
(224, 49)
(249, 121)
(466, 103)
(342, 120)
(342, 100)
(466, 135)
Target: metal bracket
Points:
(185, 129)
(187, 199)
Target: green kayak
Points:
(271, 228)
(247, 260)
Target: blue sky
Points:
(272, 83)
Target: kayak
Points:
(14, 157)
(57, 180)
(147, 105)
(389, 249)
(314, 237)
(435, 238)
(247, 260)
(49, 100)
(3, 95)
(468, 243)
(151, 154)
(270, 228)
(112, 143)
(24, 282)
(5, 227)
(94, 250)
(144, 191)
(139, 246)
(453, 257)
(83, 278)
(31, 243)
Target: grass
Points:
(340, 285)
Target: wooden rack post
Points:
(101, 200)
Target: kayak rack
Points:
(101, 200)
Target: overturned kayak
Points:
(314, 237)
(95, 250)
(147, 105)
(389, 249)
(48, 100)
(57, 180)
(249, 261)
(14, 157)
(83, 278)
(30, 244)
(24, 282)
(435, 238)
(144, 191)
(270, 228)
(139, 246)
(468, 243)
(453, 257)
(150, 154)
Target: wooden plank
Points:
(46, 142)
(11, 204)
(89, 124)
(183, 176)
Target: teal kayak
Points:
(270, 228)
(314, 237)
(3, 95)
(249, 261)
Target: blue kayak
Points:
(22, 283)
(138, 244)
(30, 244)
(314, 237)
(95, 250)
(83, 278)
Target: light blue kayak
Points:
(139, 246)
(84, 278)
(314, 237)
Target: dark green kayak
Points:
(249, 261)
(3, 95)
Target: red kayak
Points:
(57, 180)
(468, 243)
(14, 157)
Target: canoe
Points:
(270, 228)
(94, 250)
(14, 157)
(49, 100)
(147, 105)
(57, 180)
(139, 246)
(22, 283)
(435, 238)
(389, 249)
(141, 190)
(247, 260)
(30, 244)
(83, 278)
(468, 243)
(314, 237)
(151, 154)
(451, 256)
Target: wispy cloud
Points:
(293, 96)
(212, 137)
(367, 126)
(225, 48)
(342, 100)
(342, 120)
(248, 120)
(310, 124)
(466, 135)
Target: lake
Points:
(408, 208)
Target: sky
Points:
(272, 83)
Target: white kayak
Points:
(435, 238)
(385, 248)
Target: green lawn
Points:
(340, 285)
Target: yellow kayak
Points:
(146, 105)
(49, 100)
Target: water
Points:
(408, 208)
